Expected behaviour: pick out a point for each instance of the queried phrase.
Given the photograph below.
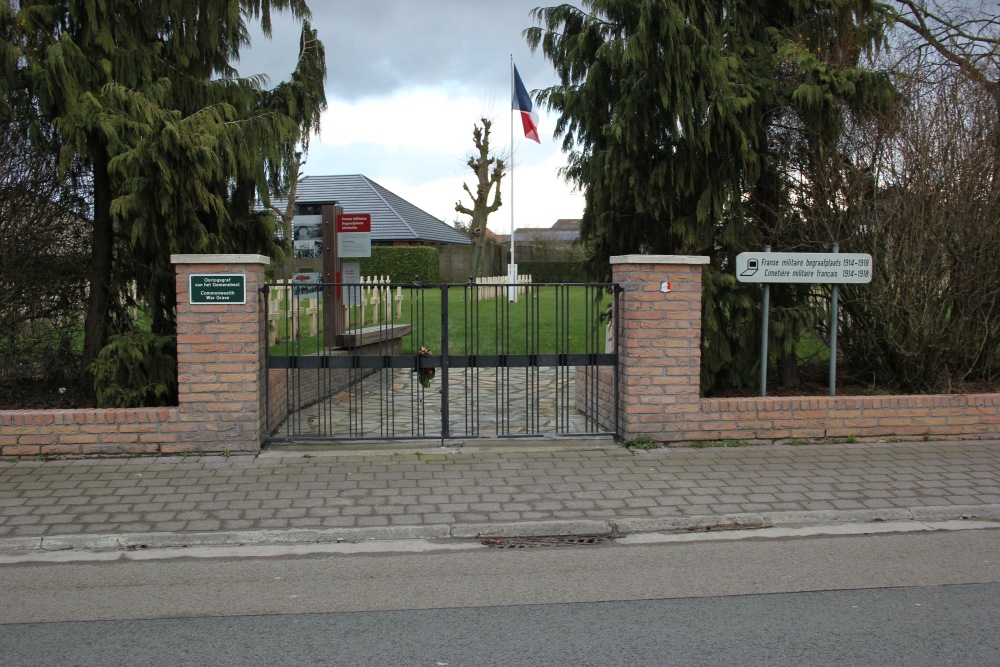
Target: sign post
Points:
(834, 268)
(344, 235)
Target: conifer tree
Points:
(677, 116)
(174, 145)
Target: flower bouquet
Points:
(424, 375)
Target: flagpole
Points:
(512, 268)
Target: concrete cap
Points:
(220, 259)
(660, 259)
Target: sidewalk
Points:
(517, 489)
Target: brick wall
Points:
(659, 366)
(219, 371)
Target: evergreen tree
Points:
(174, 145)
(678, 116)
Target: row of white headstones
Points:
(375, 301)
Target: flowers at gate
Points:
(425, 375)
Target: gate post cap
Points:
(219, 259)
(660, 259)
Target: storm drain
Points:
(544, 541)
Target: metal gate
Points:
(442, 361)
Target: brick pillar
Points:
(660, 346)
(220, 356)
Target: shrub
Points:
(402, 263)
(136, 369)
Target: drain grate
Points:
(544, 541)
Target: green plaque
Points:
(218, 288)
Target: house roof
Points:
(567, 223)
(528, 234)
(393, 218)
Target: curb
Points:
(614, 526)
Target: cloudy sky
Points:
(407, 80)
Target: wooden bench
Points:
(373, 335)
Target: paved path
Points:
(546, 489)
(483, 402)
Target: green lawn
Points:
(545, 320)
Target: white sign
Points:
(306, 285)
(352, 276)
(354, 235)
(803, 267)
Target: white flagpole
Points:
(512, 268)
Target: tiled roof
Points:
(528, 234)
(393, 218)
(567, 223)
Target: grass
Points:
(721, 443)
(812, 350)
(545, 320)
(642, 443)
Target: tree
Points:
(917, 187)
(678, 117)
(489, 171)
(964, 37)
(175, 146)
(42, 268)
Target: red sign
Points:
(354, 222)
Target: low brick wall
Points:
(813, 418)
(220, 402)
(221, 371)
(951, 416)
(659, 366)
(95, 432)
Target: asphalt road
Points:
(910, 599)
(933, 626)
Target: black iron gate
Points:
(442, 361)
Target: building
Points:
(395, 221)
(555, 243)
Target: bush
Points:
(930, 318)
(136, 369)
(402, 263)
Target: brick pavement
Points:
(289, 491)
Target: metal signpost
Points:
(802, 267)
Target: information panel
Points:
(803, 267)
(218, 288)
(354, 235)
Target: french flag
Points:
(522, 103)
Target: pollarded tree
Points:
(489, 171)
(176, 146)
(677, 116)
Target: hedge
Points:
(402, 263)
(554, 272)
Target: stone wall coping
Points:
(659, 259)
(219, 259)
